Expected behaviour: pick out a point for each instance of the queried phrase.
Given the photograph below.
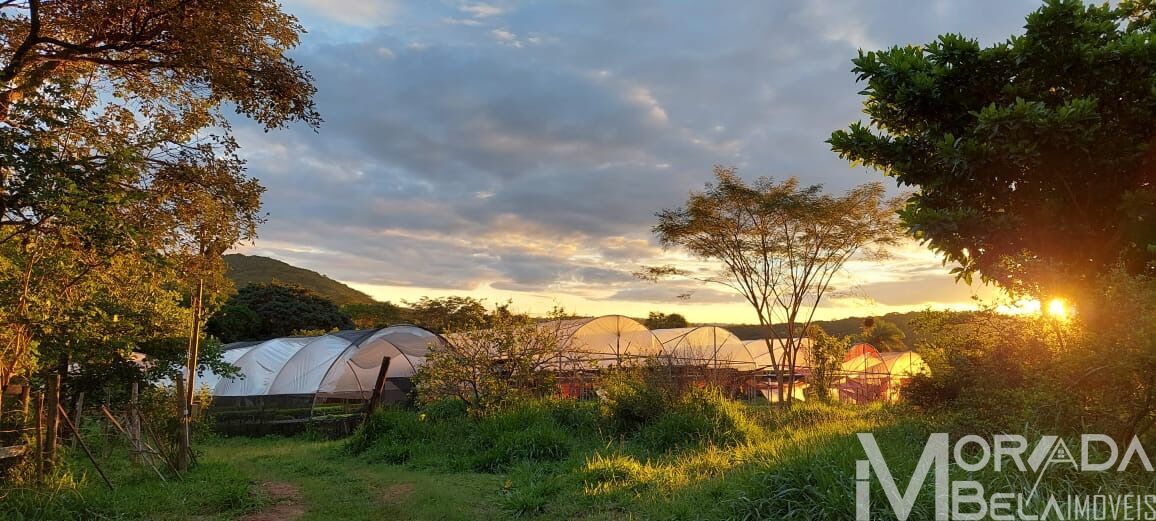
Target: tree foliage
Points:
(1032, 160)
(884, 335)
(107, 160)
(445, 314)
(827, 354)
(377, 314)
(660, 320)
(263, 311)
(486, 368)
(777, 244)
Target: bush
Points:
(699, 417)
(633, 398)
(445, 409)
(388, 427)
(445, 438)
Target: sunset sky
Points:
(520, 150)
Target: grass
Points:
(229, 483)
(551, 459)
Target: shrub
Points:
(632, 398)
(601, 474)
(445, 409)
(389, 427)
(699, 417)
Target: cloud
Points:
(475, 147)
(481, 10)
(362, 13)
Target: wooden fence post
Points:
(39, 437)
(79, 415)
(378, 388)
(134, 422)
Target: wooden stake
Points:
(39, 437)
(115, 423)
(134, 419)
(79, 415)
(378, 388)
(68, 422)
(160, 448)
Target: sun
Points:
(1057, 308)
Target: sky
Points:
(520, 150)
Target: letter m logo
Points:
(935, 453)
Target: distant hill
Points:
(838, 328)
(249, 269)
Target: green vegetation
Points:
(254, 269)
(659, 320)
(842, 327)
(1018, 150)
(779, 245)
(263, 311)
(279, 477)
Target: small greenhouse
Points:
(709, 346)
(605, 341)
(295, 378)
(869, 375)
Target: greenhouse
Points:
(294, 378)
(709, 346)
(762, 357)
(869, 375)
(605, 341)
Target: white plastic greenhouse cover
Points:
(604, 341)
(345, 362)
(355, 370)
(711, 346)
(260, 366)
(231, 353)
(904, 364)
(758, 349)
(303, 372)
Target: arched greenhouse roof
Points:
(902, 364)
(711, 346)
(762, 357)
(344, 363)
(603, 341)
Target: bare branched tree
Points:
(779, 245)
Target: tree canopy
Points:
(445, 314)
(1032, 160)
(884, 335)
(778, 244)
(659, 320)
(263, 311)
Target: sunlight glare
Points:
(1057, 308)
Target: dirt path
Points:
(286, 505)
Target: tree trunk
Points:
(183, 434)
(26, 399)
(190, 387)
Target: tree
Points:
(827, 354)
(1032, 159)
(446, 314)
(281, 310)
(377, 314)
(884, 335)
(111, 130)
(659, 320)
(486, 368)
(779, 245)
